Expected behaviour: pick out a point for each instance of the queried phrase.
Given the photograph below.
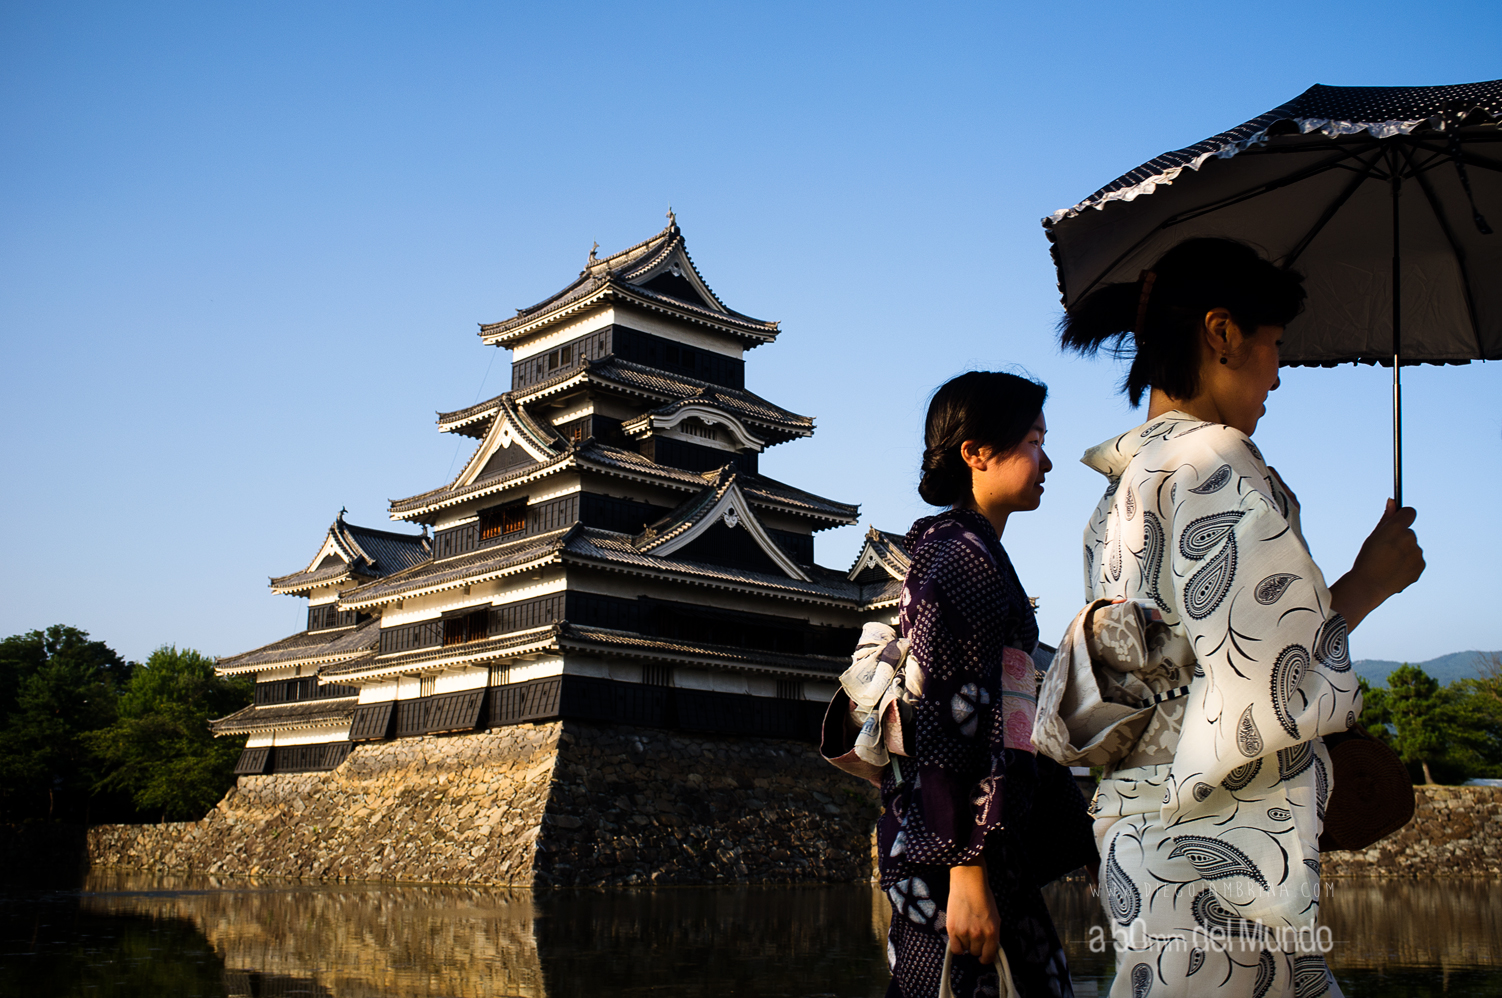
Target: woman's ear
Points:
(975, 454)
(1220, 336)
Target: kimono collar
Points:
(1111, 457)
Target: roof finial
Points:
(342, 511)
(672, 218)
(593, 250)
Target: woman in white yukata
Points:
(1209, 827)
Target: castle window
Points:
(790, 689)
(657, 675)
(510, 519)
(427, 685)
(500, 675)
(474, 626)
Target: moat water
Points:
(161, 937)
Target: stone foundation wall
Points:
(553, 804)
(639, 805)
(1455, 832)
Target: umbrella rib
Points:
(1329, 213)
(1455, 248)
(1168, 223)
(1264, 188)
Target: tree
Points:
(55, 687)
(1454, 730)
(159, 748)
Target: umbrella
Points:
(1379, 195)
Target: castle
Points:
(609, 553)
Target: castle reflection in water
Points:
(363, 941)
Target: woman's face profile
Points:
(1009, 480)
(1253, 373)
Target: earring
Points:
(1223, 359)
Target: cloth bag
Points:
(1373, 793)
(1003, 975)
(873, 701)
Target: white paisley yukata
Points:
(1208, 830)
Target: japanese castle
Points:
(609, 552)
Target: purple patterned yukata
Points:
(973, 787)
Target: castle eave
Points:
(287, 716)
(305, 648)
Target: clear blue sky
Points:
(244, 249)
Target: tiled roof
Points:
(592, 455)
(306, 648)
(307, 714)
(452, 573)
(594, 547)
(618, 273)
(683, 519)
(777, 423)
(758, 489)
(564, 636)
(362, 553)
(886, 549)
(694, 652)
(532, 641)
(605, 549)
(447, 495)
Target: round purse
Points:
(1373, 794)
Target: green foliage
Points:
(55, 687)
(1450, 732)
(84, 734)
(159, 747)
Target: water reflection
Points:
(129, 935)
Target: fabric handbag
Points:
(1008, 988)
(870, 717)
(1373, 793)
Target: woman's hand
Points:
(1389, 561)
(974, 927)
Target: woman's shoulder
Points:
(950, 539)
(1200, 442)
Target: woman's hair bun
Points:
(946, 478)
(991, 407)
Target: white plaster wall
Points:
(272, 675)
(822, 692)
(596, 319)
(631, 586)
(761, 686)
(408, 688)
(499, 592)
(647, 322)
(541, 668)
(378, 692)
(313, 736)
(572, 413)
(695, 336)
(728, 682)
(474, 677)
(693, 679)
(260, 739)
(322, 596)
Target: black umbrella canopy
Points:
(1349, 185)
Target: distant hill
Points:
(1446, 668)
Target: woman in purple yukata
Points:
(974, 821)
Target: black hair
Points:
(991, 407)
(1189, 280)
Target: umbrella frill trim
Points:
(1330, 127)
